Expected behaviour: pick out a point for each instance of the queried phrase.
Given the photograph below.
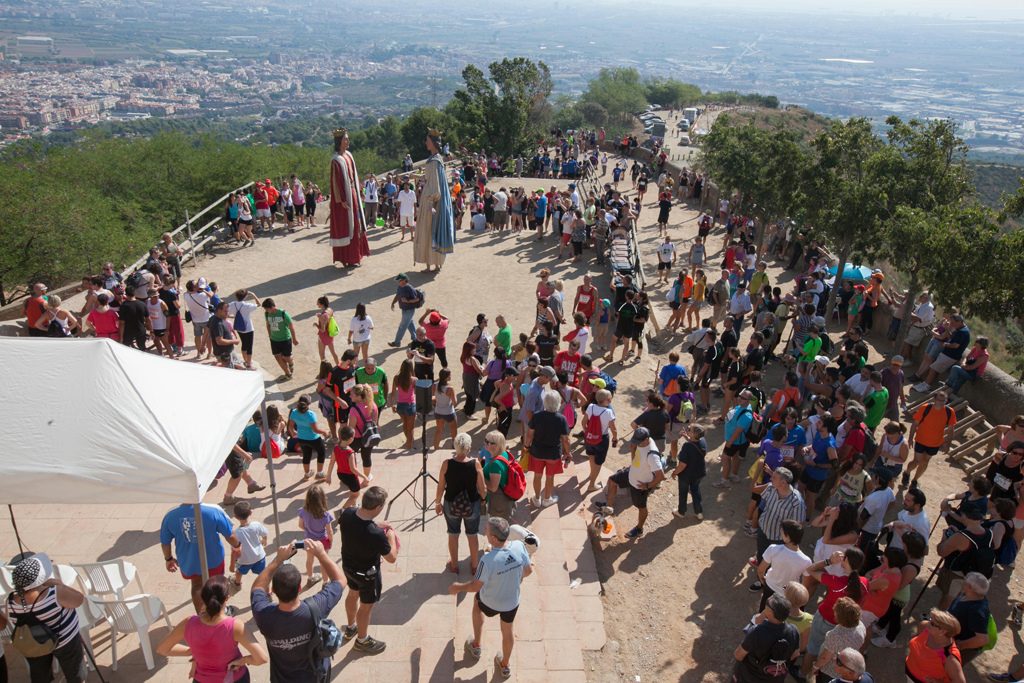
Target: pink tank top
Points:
(213, 648)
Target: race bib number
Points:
(347, 385)
(1002, 482)
(788, 452)
(584, 298)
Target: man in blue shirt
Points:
(670, 372)
(407, 300)
(497, 586)
(736, 425)
(540, 213)
(179, 526)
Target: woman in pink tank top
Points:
(212, 640)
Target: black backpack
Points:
(421, 298)
(134, 281)
(981, 559)
(324, 644)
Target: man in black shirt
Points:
(133, 321)
(729, 337)
(547, 344)
(223, 337)
(421, 352)
(690, 470)
(363, 544)
(342, 379)
(755, 354)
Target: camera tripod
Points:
(421, 478)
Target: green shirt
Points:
(279, 323)
(504, 339)
(876, 403)
(757, 282)
(496, 466)
(811, 348)
(376, 381)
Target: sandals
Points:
(452, 567)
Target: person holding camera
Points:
(288, 625)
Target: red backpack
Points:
(594, 433)
(515, 483)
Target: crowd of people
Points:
(829, 447)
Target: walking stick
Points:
(926, 584)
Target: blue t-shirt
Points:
(252, 436)
(820, 446)
(772, 456)
(542, 207)
(179, 526)
(669, 373)
(739, 418)
(501, 571)
(304, 424)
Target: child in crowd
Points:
(349, 474)
(315, 522)
(251, 554)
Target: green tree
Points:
(593, 113)
(848, 193)
(618, 90)
(669, 92)
(930, 184)
(505, 111)
(765, 167)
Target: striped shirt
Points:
(63, 622)
(777, 510)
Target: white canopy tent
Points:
(93, 421)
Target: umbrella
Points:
(852, 272)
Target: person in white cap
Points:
(40, 596)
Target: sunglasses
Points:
(839, 662)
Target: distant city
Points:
(68, 64)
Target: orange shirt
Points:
(687, 287)
(928, 663)
(931, 429)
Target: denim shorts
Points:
(406, 409)
(455, 524)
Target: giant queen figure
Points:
(435, 221)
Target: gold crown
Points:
(433, 132)
(339, 133)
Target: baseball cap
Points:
(401, 276)
(640, 435)
(821, 360)
(598, 382)
(435, 317)
(896, 360)
(819, 321)
(548, 371)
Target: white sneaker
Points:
(882, 641)
(536, 502)
(922, 388)
(550, 501)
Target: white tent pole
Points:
(270, 469)
(198, 509)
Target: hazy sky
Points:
(952, 9)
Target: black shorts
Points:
(636, 496)
(350, 481)
(712, 373)
(664, 266)
(310, 208)
(926, 450)
(599, 451)
(281, 348)
(737, 450)
(812, 485)
(508, 617)
(235, 464)
(367, 584)
(290, 212)
(247, 338)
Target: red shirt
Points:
(34, 308)
(569, 364)
(836, 588)
(260, 195)
(586, 300)
(341, 458)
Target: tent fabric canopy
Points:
(93, 421)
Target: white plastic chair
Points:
(90, 613)
(6, 580)
(108, 578)
(134, 614)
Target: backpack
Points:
(594, 434)
(609, 382)
(134, 281)
(757, 429)
(31, 637)
(773, 663)
(421, 298)
(515, 484)
(324, 644)
(1007, 552)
